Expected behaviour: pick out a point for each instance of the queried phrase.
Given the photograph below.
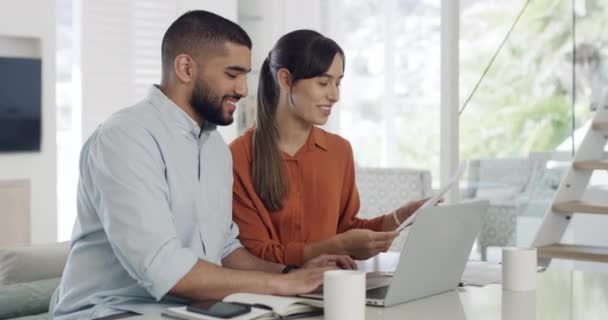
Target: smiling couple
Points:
(168, 213)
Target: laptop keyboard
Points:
(377, 293)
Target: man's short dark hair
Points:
(199, 30)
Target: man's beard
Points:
(207, 105)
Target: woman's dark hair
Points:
(305, 54)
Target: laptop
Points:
(433, 258)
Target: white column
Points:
(329, 25)
(450, 36)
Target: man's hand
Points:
(298, 281)
(363, 244)
(327, 260)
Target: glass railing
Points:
(532, 73)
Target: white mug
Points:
(519, 269)
(344, 295)
(518, 305)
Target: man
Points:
(154, 223)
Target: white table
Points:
(572, 295)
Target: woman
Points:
(294, 192)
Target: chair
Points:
(382, 190)
(516, 188)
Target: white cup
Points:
(344, 295)
(519, 269)
(518, 305)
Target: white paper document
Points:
(433, 200)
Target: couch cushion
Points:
(27, 298)
(26, 264)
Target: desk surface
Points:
(572, 295)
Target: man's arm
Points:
(244, 272)
(241, 259)
(208, 281)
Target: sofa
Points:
(29, 276)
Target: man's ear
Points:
(183, 67)
(284, 77)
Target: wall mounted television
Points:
(20, 104)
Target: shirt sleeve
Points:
(350, 204)
(127, 186)
(232, 242)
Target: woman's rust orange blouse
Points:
(321, 201)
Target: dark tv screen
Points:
(20, 104)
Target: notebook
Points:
(263, 307)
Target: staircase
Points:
(566, 203)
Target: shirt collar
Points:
(317, 138)
(173, 112)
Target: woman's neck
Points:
(293, 131)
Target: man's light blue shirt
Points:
(154, 195)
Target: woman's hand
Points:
(363, 244)
(407, 210)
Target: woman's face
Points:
(314, 98)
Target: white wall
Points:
(226, 9)
(36, 19)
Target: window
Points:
(126, 36)
(516, 130)
(389, 108)
(68, 122)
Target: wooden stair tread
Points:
(603, 125)
(592, 165)
(574, 252)
(579, 206)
